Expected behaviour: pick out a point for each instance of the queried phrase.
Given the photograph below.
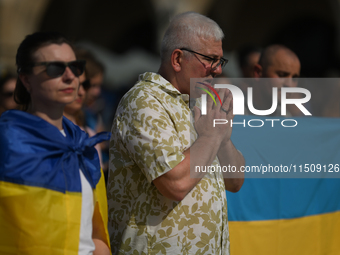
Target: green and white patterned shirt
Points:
(152, 128)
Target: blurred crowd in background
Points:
(120, 42)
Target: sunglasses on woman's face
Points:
(56, 69)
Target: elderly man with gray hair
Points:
(155, 205)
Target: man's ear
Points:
(177, 60)
(25, 81)
(258, 71)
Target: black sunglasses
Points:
(56, 69)
(215, 62)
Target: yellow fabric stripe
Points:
(101, 199)
(34, 220)
(317, 234)
(73, 205)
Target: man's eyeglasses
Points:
(215, 62)
(56, 69)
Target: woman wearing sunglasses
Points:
(52, 192)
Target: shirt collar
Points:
(167, 86)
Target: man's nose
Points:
(216, 71)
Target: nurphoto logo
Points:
(280, 99)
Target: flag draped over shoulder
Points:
(287, 212)
(40, 187)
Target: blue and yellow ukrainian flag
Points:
(287, 215)
(40, 186)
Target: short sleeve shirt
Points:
(152, 128)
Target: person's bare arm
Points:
(177, 183)
(98, 234)
(227, 154)
(101, 247)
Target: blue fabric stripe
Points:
(314, 140)
(272, 199)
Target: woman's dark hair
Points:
(24, 60)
